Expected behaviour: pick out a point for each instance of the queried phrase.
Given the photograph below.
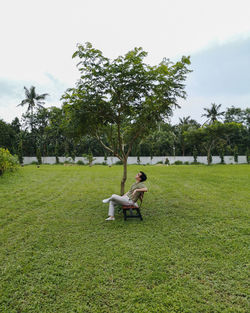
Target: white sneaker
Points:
(110, 219)
(105, 200)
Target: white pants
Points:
(120, 200)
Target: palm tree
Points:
(33, 100)
(213, 113)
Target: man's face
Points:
(138, 175)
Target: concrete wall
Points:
(144, 160)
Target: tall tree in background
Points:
(185, 124)
(33, 100)
(213, 114)
(120, 101)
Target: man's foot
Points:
(110, 218)
(105, 200)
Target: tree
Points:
(33, 100)
(120, 101)
(234, 114)
(210, 136)
(185, 124)
(213, 113)
(7, 135)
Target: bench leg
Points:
(125, 214)
(139, 213)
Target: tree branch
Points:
(107, 148)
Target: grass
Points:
(189, 254)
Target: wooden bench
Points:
(131, 208)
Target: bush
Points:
(7, 161)
(159, 162)
(186, 163)
(196, 163)
(195, 154)
(80, 162)
(118, 163)
(34, 163)
(167, 161)
(178, 162)
(248, 155)
(89, 157)
(67, 162)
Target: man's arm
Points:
(140, 190)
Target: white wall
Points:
(144, 160)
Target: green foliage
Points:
(248, 155)
(38, 156)
(7, 161)
(34, 163)
(20, 151)
(236, 154)
(120, 101)
(209, 136)
(195, 154)
(80, 162)
(89, 157)
(212, 114)
(167, 162)
(178, 162)
(118, 163)
(221, 149)
(138, 160)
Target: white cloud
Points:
(40, 37)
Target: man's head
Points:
(141, 176)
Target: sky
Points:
(39, 37)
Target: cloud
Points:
(12, 93)
(221, 75)
(222, 69)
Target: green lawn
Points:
(189, 254)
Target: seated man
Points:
(128, 198)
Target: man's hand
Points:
(140, 190)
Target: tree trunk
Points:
(209, 156)
(124, 178)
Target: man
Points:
(128, 198)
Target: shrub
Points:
(186, 163)
(159, 162)
(196, 163)
(67, 162)
(195, 154)
(89, 157)
(138, 160)
(118, 163)
(167, 161)
(7, 161)
(80, 162)
(248, 155)
(178, 162)
(34, 163)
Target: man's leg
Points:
(115, 199)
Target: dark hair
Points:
(143, 176)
